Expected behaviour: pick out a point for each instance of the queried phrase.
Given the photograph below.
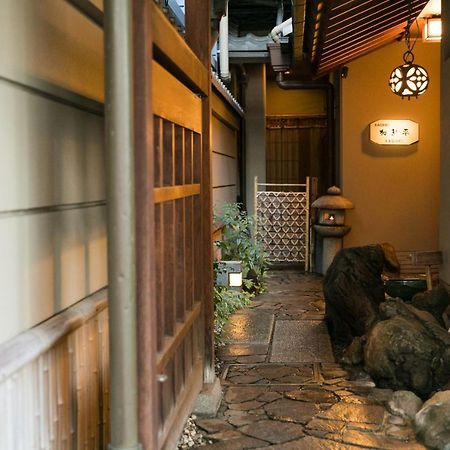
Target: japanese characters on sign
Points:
(394, 132)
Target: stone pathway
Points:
(282, 387)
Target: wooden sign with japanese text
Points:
(394, 132)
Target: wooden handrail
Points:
(27, 346)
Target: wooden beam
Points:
(171, 343)
(171, 50)
(223, 113)
(145, 251)
(173, 101)
(166, 194)
(198, 37)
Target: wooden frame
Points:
(173, 174)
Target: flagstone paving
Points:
(282, 388)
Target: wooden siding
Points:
(65, 385)
(225, 126)
(407, 268)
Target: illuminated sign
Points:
(394, 132)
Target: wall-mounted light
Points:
(432, 30)
(409, 80)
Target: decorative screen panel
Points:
(283, 223)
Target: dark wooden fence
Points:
(174, 216)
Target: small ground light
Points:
(235, 279)
(229, 273)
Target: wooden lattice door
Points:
(173, 129)
(297, 147)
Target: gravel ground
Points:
(191, 435)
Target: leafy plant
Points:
(239, 243)
(226, 302)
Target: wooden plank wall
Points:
(407, 268)
(225, 126)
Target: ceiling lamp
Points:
(432, 30)
(409, 80)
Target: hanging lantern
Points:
(409, 80)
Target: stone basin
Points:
(405, 288)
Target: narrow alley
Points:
(282, 387)
(158, 156)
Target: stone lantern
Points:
(331, 223)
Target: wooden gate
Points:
(174, 218)
(283, 221)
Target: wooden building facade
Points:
(54, 339)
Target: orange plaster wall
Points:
(395, 189)
(294, 101)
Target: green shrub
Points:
(239, 244)
(226, 302)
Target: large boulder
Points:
(432, 422)
(408, 351)
(435, 302)
(405, 404)
(353, 290)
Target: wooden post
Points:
(145, 252)
(198, 37)
(307, 225)
(255, 206)
(121, 212)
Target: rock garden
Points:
(403, 344)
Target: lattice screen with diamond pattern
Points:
(283, 225)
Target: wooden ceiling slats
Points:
(368, 20)
(331, 64)
(350, 28)
(339, 53)
(384, 25)
(359, 7)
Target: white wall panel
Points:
(224, 138)
(224, 195)
(51, 153)
(224, 170)
(49, 261)
(50, 41)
